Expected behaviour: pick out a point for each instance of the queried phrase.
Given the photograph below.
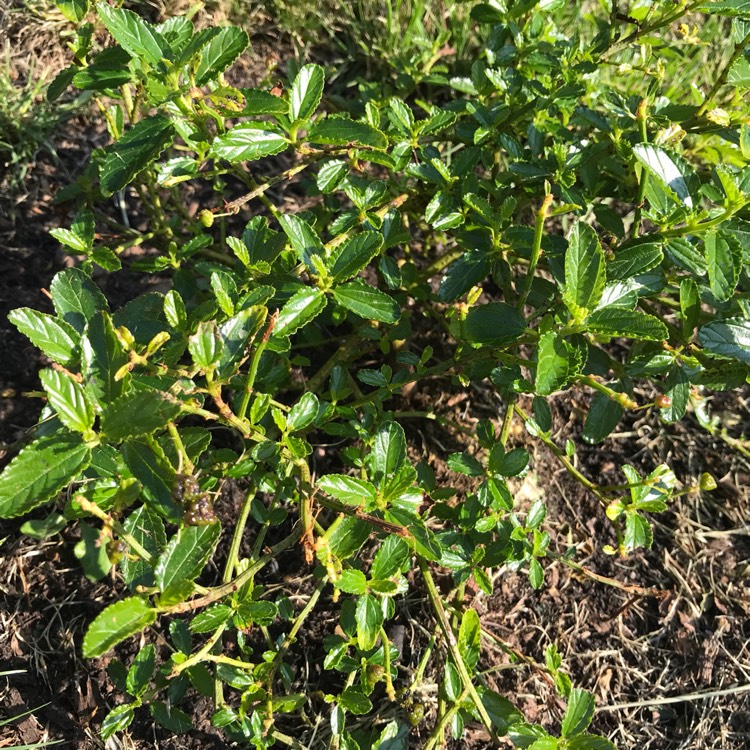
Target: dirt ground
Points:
(668, 673)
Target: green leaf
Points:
(302, 307)
(677, 387)
(92, 553)
(221, 51)
(340, 130)
(116, 623)
(76, 298)
(584, 271)
(258, 613)
(589, 742)
(138, 413)
(56, 338)
(331, 174)
(186, 555)
(579, 713)
(354, 254)
(616, 321)
(119, 718)
(353, 700)
(304, 239)
(367, 302)
(348, 489)
(170, 717)
(236, 334)
(603, 416)
(392, 557)
(303, 413)
(68, 399)
(141, 671)
(470, 269)
(74, 10)
(206, 345)
(135, 151)
(148, 530)
(637, 532)
(44, 528)
(668, 171)
(369, 618)
(306, 93)
(40, 471)
(634, 260)
(352, 582)
(469, 638)
(727, 338)
(727, 8)
(690, 307)
(211, 618)
(495, 323)
(724, 256)
(388, 451)
(248, 142)
(555, 363)
(536, 573)
(259, 102)
(102, 356)
(136, 36)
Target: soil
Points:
(669, 672)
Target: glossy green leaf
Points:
(248, 142)
(341, 131)
(186, 555)
(495, 323)
(668, 170)
(468, 271)
(604, 415)
(91, 552)
(469, 638)
(677, 388)
(727, 338)
(44, 528)
(236, 333)
(138, 413)
(348, 489)
(170, 717)
(68, 399)
(367, 302)
(220, 52)
(135, 151)
(369, 618)
(40, 471)
(73, 10)
(589, 742)
(555, 363)
(355, 701)
(353, 255)
(142, 670)
(306, 92)
(584, 271)
(135, 35)
(301, 308)
(303, 413)
(392, 558)
(102, 357)
(76, 298)
(634, 260)
(206, 345)
(56, 338)
(616, 321)
(388, 451)
(147, 528)
(724, 257)
(579, 712)
(690, 306)
(303, 238)
(727, 8)
(119, 718)
(116, 623)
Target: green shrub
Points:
(579, 237)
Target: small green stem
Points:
(437, 606)
(536, 248)
(252, 373)
(389, 691)
(642, 120)
(437, 736)
(184, 462)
